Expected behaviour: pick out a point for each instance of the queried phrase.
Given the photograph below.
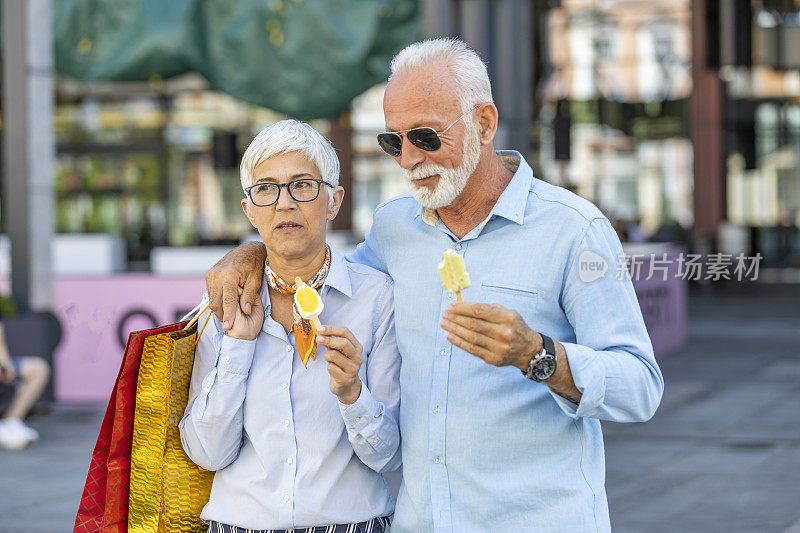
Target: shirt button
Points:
(288, 347)
(227, 359)
(458, 246)
(443, 352)
(436, 409)
(449, 295)
(285, 385)
(436, 459)
(357, 420)
(290, 460)
(287, 423)
(286, 497)
(374, 441)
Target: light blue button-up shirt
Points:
(286, 453)
(484, 448)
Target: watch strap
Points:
(549, 345)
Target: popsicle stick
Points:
(315, 325)
(458, 296)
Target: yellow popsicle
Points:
(455, 277)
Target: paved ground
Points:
(722, 453)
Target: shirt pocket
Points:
(522, 299)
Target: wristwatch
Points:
(543, 365)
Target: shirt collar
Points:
(337, 278)
(512, 202)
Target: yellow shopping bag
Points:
(167, 490)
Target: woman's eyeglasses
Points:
(426, 138)
(303, 190)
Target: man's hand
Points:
(234, 282)
(500, 337)
(247, 327)
(497, 335)
(343, 355)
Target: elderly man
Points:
(502, 394)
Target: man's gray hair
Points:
(472, 79)
(290, 136)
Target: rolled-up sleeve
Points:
(372, 420)
(211, 428)
(611, 360)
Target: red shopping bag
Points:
(104, 504)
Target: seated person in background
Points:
(30, 376)
(293, 446)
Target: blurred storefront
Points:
(745, 102)
(613, 119)
(761, 117)
(161, 168)
(680, 119)
(153, 168)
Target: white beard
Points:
(451, 180)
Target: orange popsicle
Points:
(309, 304)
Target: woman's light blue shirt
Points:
(286, 453)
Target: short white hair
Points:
(469, 71)
(290, 136)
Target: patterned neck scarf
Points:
(304, 332)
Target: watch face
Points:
(544, 368)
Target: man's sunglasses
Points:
(426, 138)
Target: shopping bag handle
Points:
(193, 311)
(193, 321)
(197, 339)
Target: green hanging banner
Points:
(304, 58)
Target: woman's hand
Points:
(246, 327)
(343, 355)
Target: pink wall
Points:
(664, 305)
(96, 312)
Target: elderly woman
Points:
(297, 446)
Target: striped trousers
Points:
(376, 525)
